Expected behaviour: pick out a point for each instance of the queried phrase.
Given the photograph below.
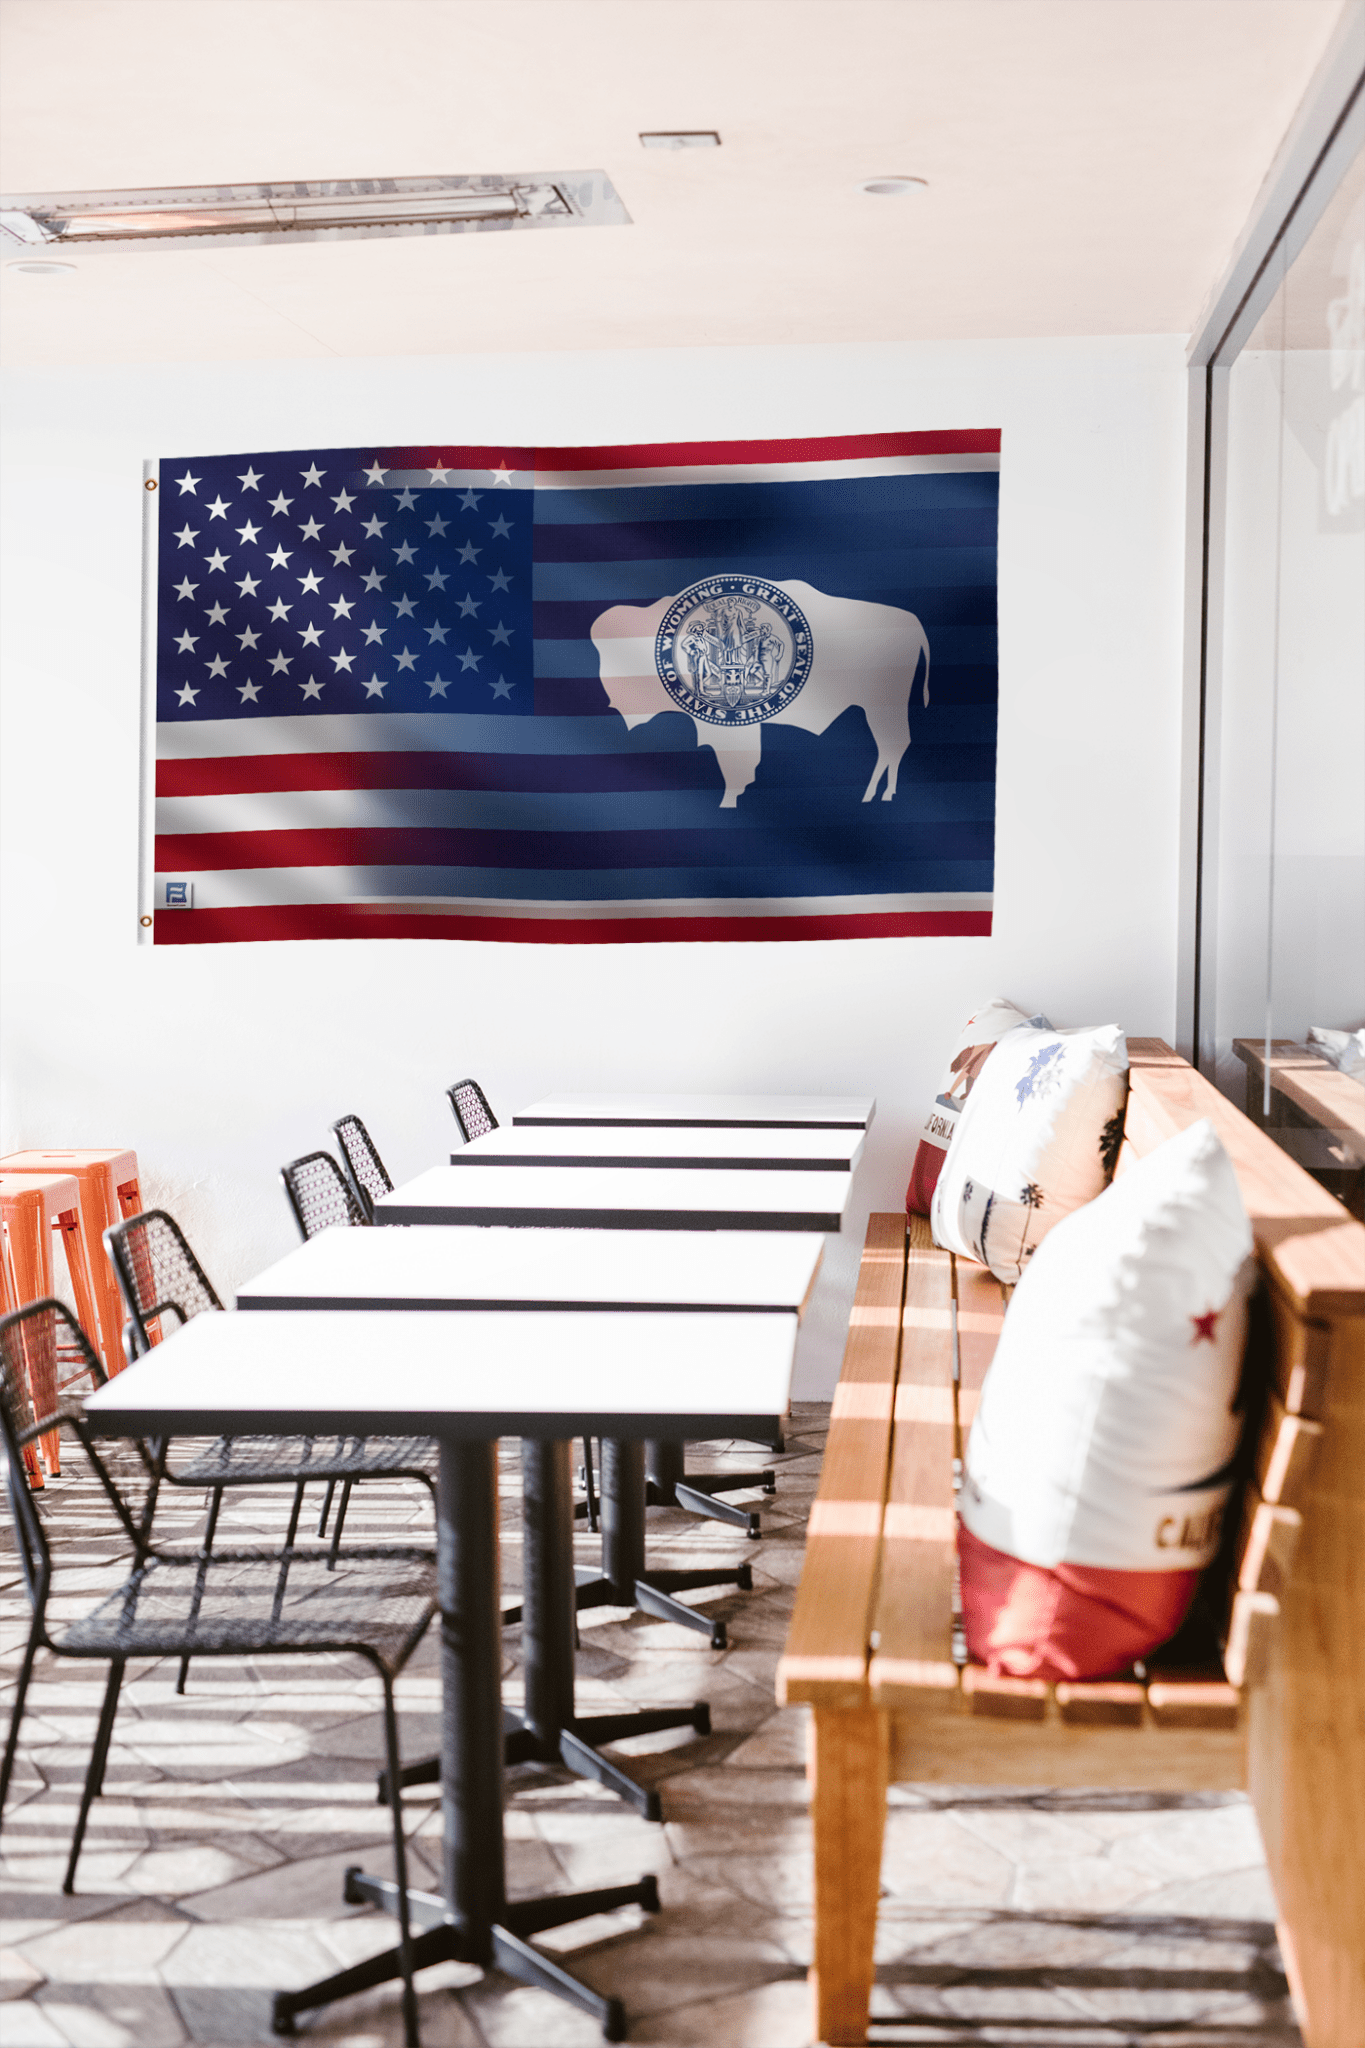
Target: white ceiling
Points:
(1090, 164)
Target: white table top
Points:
(444, 1267)
(717, 1112)
(620, 1198)
(827, 1150)
(535, 1373)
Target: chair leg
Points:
(340, 1524)
(210, 1530)
(590, 1489)
(292, 1531)
(400, 1865)
(94, 1777)
(326, 1508)
(17, 1714)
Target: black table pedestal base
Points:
(625, 1581)
(437, 1939)
(668, 1484)
(550, 1730)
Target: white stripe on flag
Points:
(389, 732)
(762, 472)
(256, 888)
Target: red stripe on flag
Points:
(834, 448)
(354, 921)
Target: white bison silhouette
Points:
(864, 653)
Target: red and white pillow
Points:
(1038, 1137)
(1101, 1459)
(983, 1029)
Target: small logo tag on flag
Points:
(175, 895)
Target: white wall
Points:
(218, 1063)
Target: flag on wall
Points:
(737, 690)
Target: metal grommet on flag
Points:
(150, 484)
(144, 920)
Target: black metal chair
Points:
(237, 1603)
(470, 1107)
(320, 1194)
(369, 1175)
(159, 1276)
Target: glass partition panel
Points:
(1286, 809)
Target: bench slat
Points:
(913, 1619)
(1284, 1456)
(825, 1661)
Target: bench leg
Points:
(847, 1768)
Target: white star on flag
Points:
(311, 475)
(188, 482)
(249, 483)
(376, 472)
(312, 688)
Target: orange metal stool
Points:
(32, 1206)
(109, 1193)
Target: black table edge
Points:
(516, 1304)
(462, 1427)
(471, 1213)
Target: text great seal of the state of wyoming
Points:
(733, 649)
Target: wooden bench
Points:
(871, 1648)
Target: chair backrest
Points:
(318, 1193)
(27, 1341)
(369, 1175)
(30, 1340)
(157, 1273)
(472, 1113)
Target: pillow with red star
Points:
(1105, 1446)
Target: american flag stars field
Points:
(287, 587)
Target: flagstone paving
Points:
(213, 1866)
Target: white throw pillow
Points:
(1038, 1135)
(1345, 1049)
(1106, 1428)
(982, 1030)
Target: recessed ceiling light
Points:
(43, 269)
(336, 209)
(893, 188)
(679, 138)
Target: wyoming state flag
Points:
(737, 690)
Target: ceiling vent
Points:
(338, 210)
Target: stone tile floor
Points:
(212, 1870)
